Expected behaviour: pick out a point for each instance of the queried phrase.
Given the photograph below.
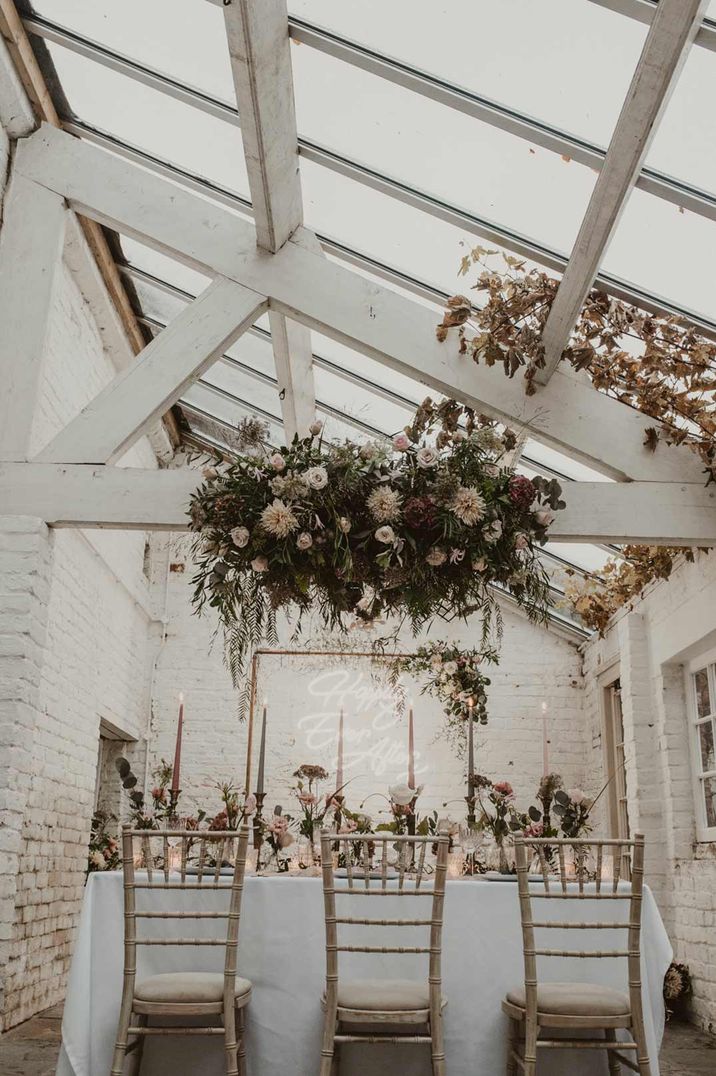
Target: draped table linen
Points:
(282, 952)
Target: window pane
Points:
(703, 699)
(548, 60)
(706, 739)
(709, 787)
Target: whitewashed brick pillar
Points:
(25, 560)
(644, 778)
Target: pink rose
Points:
(315, 428)
(348, 826)
(209, 473)
(504, 788)
(250, 804)
(544, 516)
(535, 829)
(307, 799)
(260, 564)
(401, 442)
(277, 461)
(521, 541)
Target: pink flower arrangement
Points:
(505, 789)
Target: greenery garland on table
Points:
(420, 528)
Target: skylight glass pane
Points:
(684, 145)
(666, 251)
(560, 463)
(150, 120)
(182, 38)
(546, 59)
(437, 149)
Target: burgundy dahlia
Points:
(522, 491)
(419, 512)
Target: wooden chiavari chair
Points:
(188, 993)
(404, 1010)
(541, 1006)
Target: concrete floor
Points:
(31, 1049)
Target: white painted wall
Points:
(647, 648)
(77, 636)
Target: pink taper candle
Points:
(339, 759)
(411, 748)
(177, 750)
(545, 741)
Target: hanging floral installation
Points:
(655, 363)
(421, 528)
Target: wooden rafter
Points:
(658, 513)
(667, 44)
(257, 34)
(568, 414)
(140, 394)
(31, 77)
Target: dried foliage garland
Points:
(419, 529)
(655, 363)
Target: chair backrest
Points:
(595, 875)
(375, 877)
(182, 860)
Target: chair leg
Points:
(120, 1045)
(530, 1055)
(241, 1032)
(614, 1066)
(437, 1044)
(329, 1056)
(135, 1062)
(513, 1041)
(637, 1029)
(230, 1043)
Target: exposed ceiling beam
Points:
(28, 70)
(259, 50)
(400, 332)
(423, 201)
(663, 56)
(31, 242)
(644, 10)
(127, 407)
(129, 497)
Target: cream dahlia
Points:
(468, 505)
(278, 519)
(384, 504)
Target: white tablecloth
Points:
(282, 951)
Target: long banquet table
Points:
(282, 951)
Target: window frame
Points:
(706, 660)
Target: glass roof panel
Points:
(545, 59)
(150, 120)
(667, 250)
(684, 145)
(182, 38)
(404, 135)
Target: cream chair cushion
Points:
(184, 987)
(574, 999)
(383, 995)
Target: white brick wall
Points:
(76, 643)
(669, 626)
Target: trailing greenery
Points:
(419, 529)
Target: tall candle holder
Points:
(258, 826)
(471, 800)
(173, 819)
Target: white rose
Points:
(386, 535)
(304, 540)
(316, 477)
(436, 661)
(260, 564)
(240, 537)
(544, 516)
(479, 564)
(576, 795)
(315, 428)
(427, 457)
(345, 524)
(436, 556)
(450, 667)
(209, 473)
(277, 461)
(403, 794)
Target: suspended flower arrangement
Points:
(417, 529)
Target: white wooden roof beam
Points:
(128, 497)
(146, 389)
(667, 45)
(339, 302)
(259, 47)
